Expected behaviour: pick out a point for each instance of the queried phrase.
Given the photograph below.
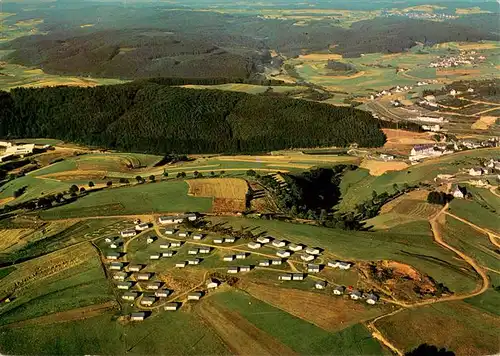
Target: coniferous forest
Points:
(149, 117)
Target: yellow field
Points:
(87, 25)
(377, 168)
(424, 8)
(320, 57)
(10, 237)
(471, 10)
(229, 193)
(298, 157)
(484, 123)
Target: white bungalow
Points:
(195, 296)
(276, 262)
(193, 251)
(153, 286)
(254, 245)
(194, 261)
(241, 256)
(295, 247)
(167, 254)
(230, 239)
(297, 277)
(476, 171)
(129, 296)
(339, 290)
(143, 276)
(233, 270)
(333, 264)
(166, 245)
(313, 251)
(162, 293)
(320, 285)
(155, 256)
(197, 236)
(183, 233)
(218, 241)
(134, 268)
(345, 265)
(228, 258)
(285, 277)
(120, 276)
(355, 294)
(128, 233)
(176, 244)
(283, 253)
(165, 220)
(371, 298)
(142, 227)
(169, 231)
(264, 263)
(116, 266)
(148, 301)
(204, 250)
(114, 245)
(150, 240)
(263, 239)
(212, 284)
(181, 264)
(124, 285)
(108, 240)
(138, 316)
(279, 243)
(458, 193)
(112, 255)
(312, 268)
(245, 268)
(307, 258)
(191, 216)
(171, 306)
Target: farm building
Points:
(143, 276)
(124, 285)
(307, 257)
(279, 243)
(148, 301)
(138, 316)
(285, 277)
(204, 250)
(20, 150)
(112, 255)
(116, 266)
(245, 268)
(167, 245)
(371, 298)
(264, 263)
(167, 254)
(181, 264)
(241, 256)
(211, 284)
(193, 251)
(295, 247)
(129, 295)
(254, 245)
(150, 239)
(345, 265)
(312, 268)
(459, 192)
(276, 262)
(113, 245)
(169, 231)
(263, 239)
(228, 258)
(171, 306)
(230, 239)
(476, 171)
(339, 290)
(195, 296)
(333, 264)
(191, 216)
(128, 233)
(165, 220)
(153, 286)
(313, 251)
(142, 227)
(183, 233)
(120, 276)
(233, 270)
(194, 261)
(197, 236)
(355, 294)
(218, 241)
(176, 244)
(297, 276)
(134, 268)
(283, 253)
(162, 293)
(320, 285)
(154, 256)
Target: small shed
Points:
(162, 293)
(264, 263)
(295, 247)
(195, 296)
(228, 258)
(279, 243)
(193, 251)
(124, 285)
(191, 216)
(283, 253)
(204, 250)
(218, 240)
(112, 255)
(181, 264)
(344, 265)
(171, 306)
(167, 254)
(143, 276)
(120, 276)
(183, 233)
(140, 316)
(169, 231)
(313, 251)
(285, 277)
(176, 244)
(134, 268)
(297, 276)
(230, 239)
(148, 301)
(263, 239)
(241, 256)
(212, 284)
(150, 239)
(276, 262)
(154, 256)
(130, 295)
(194, 261)
(313, 268)
(245, 268)
(165, 245)
(254, 245)
(197, 236)
(153, 286)
(108, 240)
(233, 270)
(114, 245)
(307, 258)
(116, 266)
(320, 285)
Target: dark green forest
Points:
(148, 117)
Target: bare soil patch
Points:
(6, 200)
(326, 311)
(442, 72)
(11, 237)
(484, 122)
(377, 168)
(65, 316)
(229, 193)
(242, 337)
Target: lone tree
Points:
(196, 174)
(212, 173)
(165, 173)
(152, 178)
(91, 184)
(73, 188)
(222, 173)
(82, 190)
(138, 179)
(181, 175)
(109, 183)
(251, 173)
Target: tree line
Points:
(160, 119)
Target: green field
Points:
(178, 333)
(489, 301)
(250, 88)
(298, 334)
(403, 245)
(148, 198)
(476, 213)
